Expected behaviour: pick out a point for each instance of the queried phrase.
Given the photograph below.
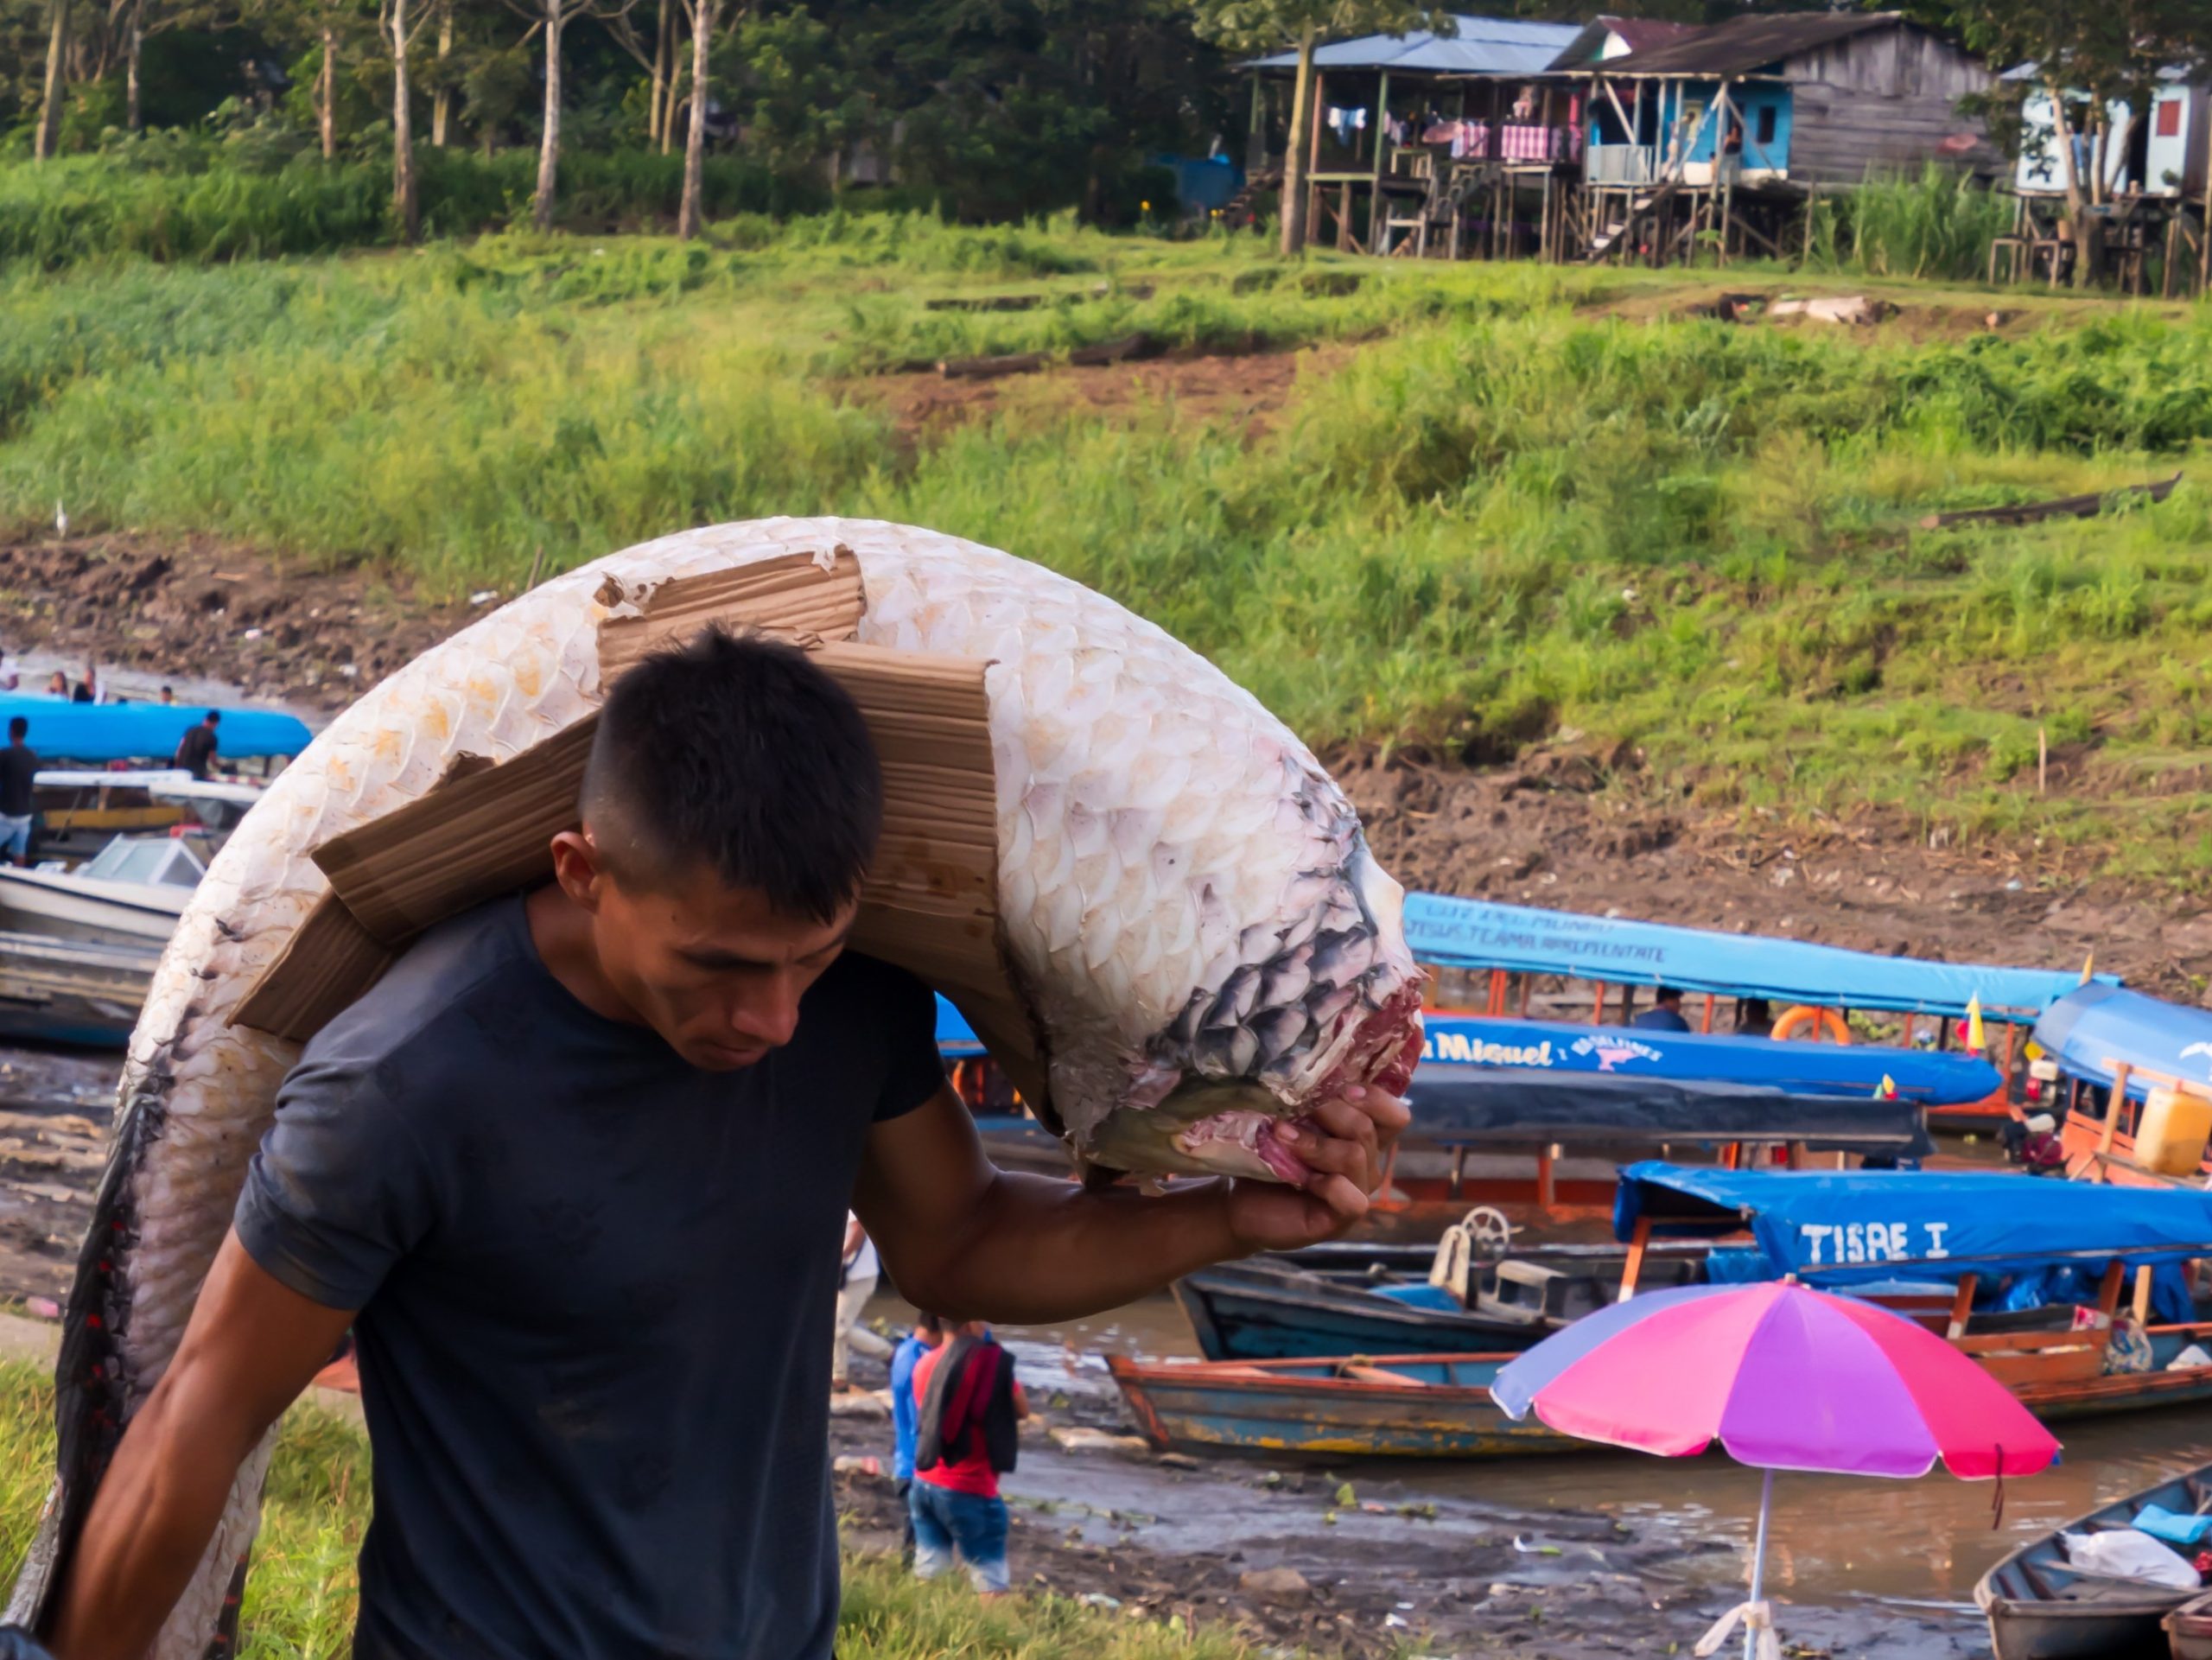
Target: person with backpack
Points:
(971, 1409)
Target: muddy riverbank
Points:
(1374, 1561)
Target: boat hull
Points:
(1255, 1410)
(1251, 1314)
(64, 907)
(2044, 1631)
(73, 992)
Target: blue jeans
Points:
(946, 1522)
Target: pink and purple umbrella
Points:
(1784, 1378)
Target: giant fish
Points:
(1185, 898)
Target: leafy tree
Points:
(1270, 25)
(553, 19)
(2107, 53)
(798, 99)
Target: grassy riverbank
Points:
(1499, 504)
(300, 1597)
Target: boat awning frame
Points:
(1849, 1227)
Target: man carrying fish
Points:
(574, 1173)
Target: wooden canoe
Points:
(1395, 1406)
(2040, 1607)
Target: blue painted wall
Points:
(1663, 103)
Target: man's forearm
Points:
(150, 1526)
(1036, 1250)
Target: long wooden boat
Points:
(71, 991)
(2042, 1607)
(1395, 1406)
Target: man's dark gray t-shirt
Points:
(596, 1289)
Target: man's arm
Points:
(251, 1346)
(970, 1242)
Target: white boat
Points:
(131, 893)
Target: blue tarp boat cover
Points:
(1505, 1107)
(1477, 934)
(104, 732)
(955, 1041)
(2097, 1024)
(1927, 1078)
(1847, 1227)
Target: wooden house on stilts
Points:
(1451, 145)
(1717, 138)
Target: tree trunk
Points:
(660, 90)
(405, 207)
(326, 93)
(690, 216)
(134, 46)
(441, 102)
(1293, 157)
(2088, 242)
(48, 138)
(549, 151)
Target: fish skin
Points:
(1253, 854)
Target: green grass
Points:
(301, 1595)
(178, 197)
(1511, 501)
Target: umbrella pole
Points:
(1758, 1563)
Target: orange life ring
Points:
(1826, 1023)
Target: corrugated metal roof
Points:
(1484, 45)
(1743, 44)
(1637, 34)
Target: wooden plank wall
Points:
(1884, 100)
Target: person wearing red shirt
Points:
(955, 1503)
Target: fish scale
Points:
(1158, 832)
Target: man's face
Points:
(713, 968)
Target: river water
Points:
(1834, 1537)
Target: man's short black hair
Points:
(213, 717)
(925, 1321)
(17, 726)
(739, 754)
(1667, 994)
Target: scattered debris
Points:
(1856, 309)
(1080, 1438)
(1278, 1585)
(2030, 512)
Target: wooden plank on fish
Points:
(330, 960)
(929, 904)
(801, 594)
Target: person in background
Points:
(18, 768)
(2042, 1154)
(906, 1413)
(168, 697)
(57, 685)
(1665, 1014)
(855, 1287)
(82, 692)
(971, 1409)
(9, 678)
(1754, 1018)
(195, 751)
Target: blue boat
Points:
(1926, 1078)
(1962, 1228)
(1397, 1406)
(2100, 1040)
(104, 732)
(1617, 951)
